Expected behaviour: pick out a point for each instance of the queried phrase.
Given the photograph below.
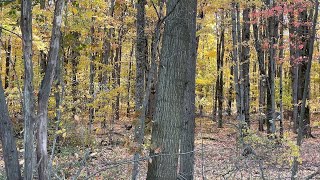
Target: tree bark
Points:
(186, 169)
(272, 34)
(28, 98)
(262, 72)
(44, 92)
(9, 147)
(245, 67)
(220, 57)
(178, 46)
(304, 106)
(140, 80)
(235, 58)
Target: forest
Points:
(159, 89)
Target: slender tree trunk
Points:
(262, 72)
(235, 55)
(91, 77)
(245, 67)
(294, 70)
(139, 84)
(220, 57)
(305, 37)
(179, 40)
(129, 81)
(9, 146)
(28, 98)
(8, 59)
(304, 106)
(240, 69)
(44, 93)
(75, 56)
(281, 56)
(272, 32)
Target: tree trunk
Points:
(91, 78)
(28, 98)
(129, 81)
(304, 106)
(272, 32)
(179, 40)
(9, 147)
(8, 59)
(262, 72)
(186, 169)
(245, 67)
(75, 56)
(220, 56)
(44, 92)
(304, 35)
(235, 55)
(281, 55)
(139, 82)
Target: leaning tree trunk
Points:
(9, 147)
(177, 52)
(44, 92)
(28, 98)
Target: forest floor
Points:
(218, 154)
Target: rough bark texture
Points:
(186, 168)
(9, 148)
(44, 93)
(28, 103)
(177, 52)
(140, 55)
(139, 86)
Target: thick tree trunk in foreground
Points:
(186, 168)
(9, 148)
(44, 93)
(177, 52)
(28, 103)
